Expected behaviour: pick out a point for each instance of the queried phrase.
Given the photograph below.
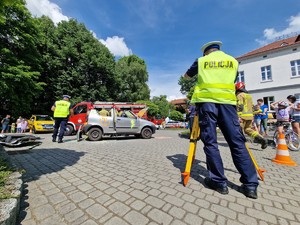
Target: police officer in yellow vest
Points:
(215, 99)
(245, 113)
(62, 109)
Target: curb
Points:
(9, 208)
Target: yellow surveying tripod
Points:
(192, 151)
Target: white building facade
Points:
(272, 72)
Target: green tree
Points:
(163, 104)
(19, 59)
(175, 115)
(132, 77)
(186, 84)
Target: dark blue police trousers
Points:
(225, 116)
(61, 124)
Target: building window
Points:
(268, 101)
(266, 74)
(295, 68)
(240, 77)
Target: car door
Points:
(80, 113)
(127, 123)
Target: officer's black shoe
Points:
(60, 141)
(264, 143)
(216, 186)
(53, 140)
(250, 193)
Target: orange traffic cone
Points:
(283, 155)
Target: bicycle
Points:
(292, 139)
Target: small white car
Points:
(126, 124)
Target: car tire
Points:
(146, 133)
(95, 134)
(69, 130)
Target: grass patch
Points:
(5, 172)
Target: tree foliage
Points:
(41, 61)
(186, 84)
(19, 58)
(176, 115)
(163, 104)
(153, 109)
(132, 76)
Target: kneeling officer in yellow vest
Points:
(62, 109)
(245, 113)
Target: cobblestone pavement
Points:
(136, 181)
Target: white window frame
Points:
(268, 101)
(295, 69)
(264, 73)
(240, 77)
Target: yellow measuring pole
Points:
(192, 150)
(259, 171)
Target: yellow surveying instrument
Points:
(192, 151)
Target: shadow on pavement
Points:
(38, 162)
(197, 171)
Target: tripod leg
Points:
(259, 171)
(192, 150)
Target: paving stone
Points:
(57, 198)
(192, 208)
(258, 214)
(247, 219)
(42, 212)
(156, 202)
(207, 214)
(86, 203)
(168, 190)
(279, 212)
(96, 211)
(177, 212)
(160, 216)
(116, 221)
(119, 208)
(139, 194)
(192, 219)
(84, 187)
(64, 209)
(121, 196)
(154, 192)
(89, 222)
(134, 217)
(78, 197)
(38, 201)
(174, 200)
(138, 205)
(224, 211)
(103, 198)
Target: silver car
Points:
(125, 123)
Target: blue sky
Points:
(168, 34)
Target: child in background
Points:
(282, 110)
(13, 128)
(257, 117)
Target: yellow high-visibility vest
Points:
(216, 75)
(62, 109)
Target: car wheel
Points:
(95, 134)
(69, 130)
(146, 133)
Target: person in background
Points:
(103, 112)
(257, 117)
(13, 128)
(62, 109)
(264, 117)
(295, 113)
(5, 124)
(19, 121)
(24, 124)
(245, 113)
(282, 110)
(191, 110)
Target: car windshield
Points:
(44, 118)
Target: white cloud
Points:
(270, 34)
(47, 8)
(117, 46)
